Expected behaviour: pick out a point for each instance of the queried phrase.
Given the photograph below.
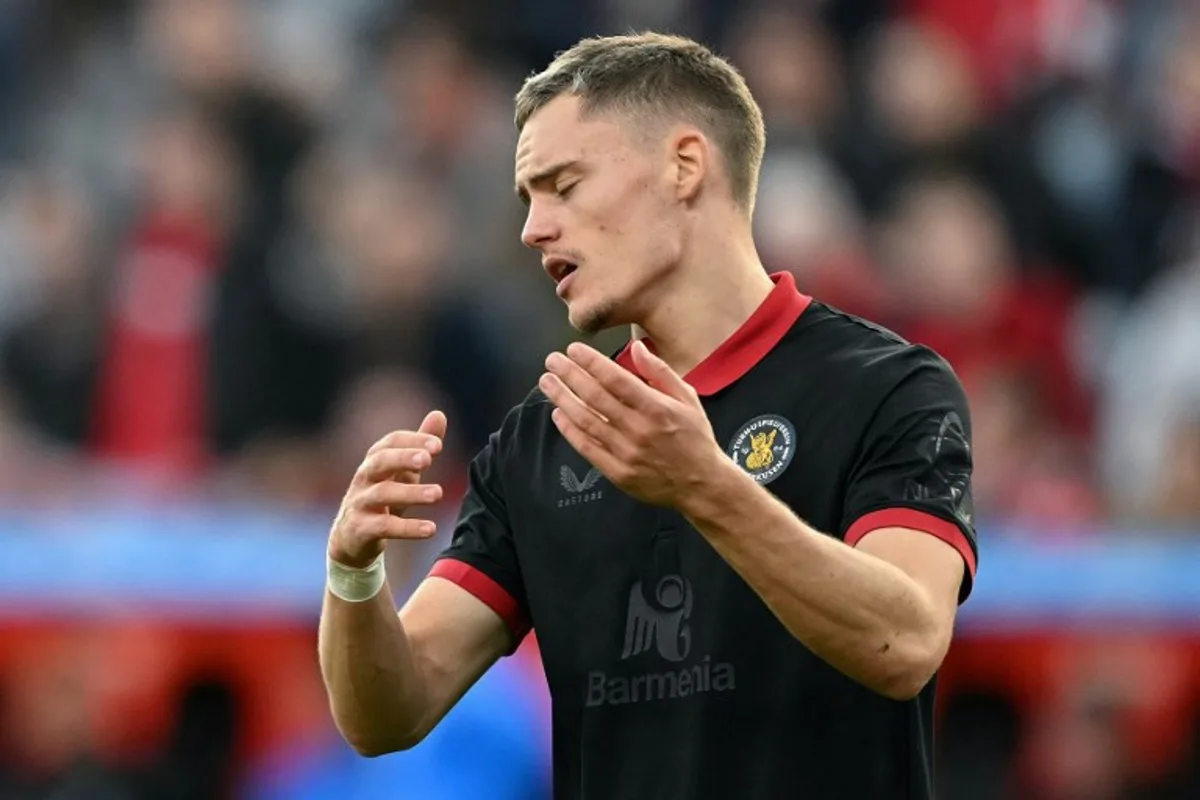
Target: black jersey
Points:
(669, 676)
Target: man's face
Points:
(602, 211)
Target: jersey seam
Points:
(892, 336)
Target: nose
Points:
(540, 228)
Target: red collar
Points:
(757, 336)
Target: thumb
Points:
(658, 373)
(434, 424)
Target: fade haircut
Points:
(650, 77)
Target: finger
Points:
(434, 424)
(575, 409)
(620, 382)
(388, 494)
(592, 450)
(584, 386)
(390, 527)
(658, 373)
(387, 464)
(408, 439)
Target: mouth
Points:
(559, 269)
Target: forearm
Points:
(862, 615)
(376, 691)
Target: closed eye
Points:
(565, 191)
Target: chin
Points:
(590, 320)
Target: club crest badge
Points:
(764, 447)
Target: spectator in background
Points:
(220, 338)
(955, 285)
(14, 29)
(1029, 472)
(980, 761)
(431, 105)
(199, 757)
(921, 107)
(1178, 498)
(152, 390)
(48, 318)
(48, 725)
(807, 222)
(49, 324)
(197, 357)
(796, 66)
(1151, 397)
(50, 737)
(807, 218)
(388, 237)
(1112, 140)
(194, 356)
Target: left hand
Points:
(651, 439)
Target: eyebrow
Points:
(544, 175)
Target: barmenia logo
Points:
(659, 624)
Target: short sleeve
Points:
(914, 465)
(482, 556)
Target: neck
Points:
(708, 297)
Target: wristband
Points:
(352, 584)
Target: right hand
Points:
(387, 485)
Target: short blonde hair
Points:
(652, 76)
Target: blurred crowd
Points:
(242, 238)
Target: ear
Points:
(692, 159)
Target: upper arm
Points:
(933, 564)
(908, 499)
(454, 638)
(471, 608)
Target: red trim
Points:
(492, 594)
(749, 344)
(915, 520)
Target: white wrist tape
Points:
(352, 584)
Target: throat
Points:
(685, 330)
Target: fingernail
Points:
(427, 527)
(433, 444)
(431, 493)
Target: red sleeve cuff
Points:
(490, 593)
(915, 520)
